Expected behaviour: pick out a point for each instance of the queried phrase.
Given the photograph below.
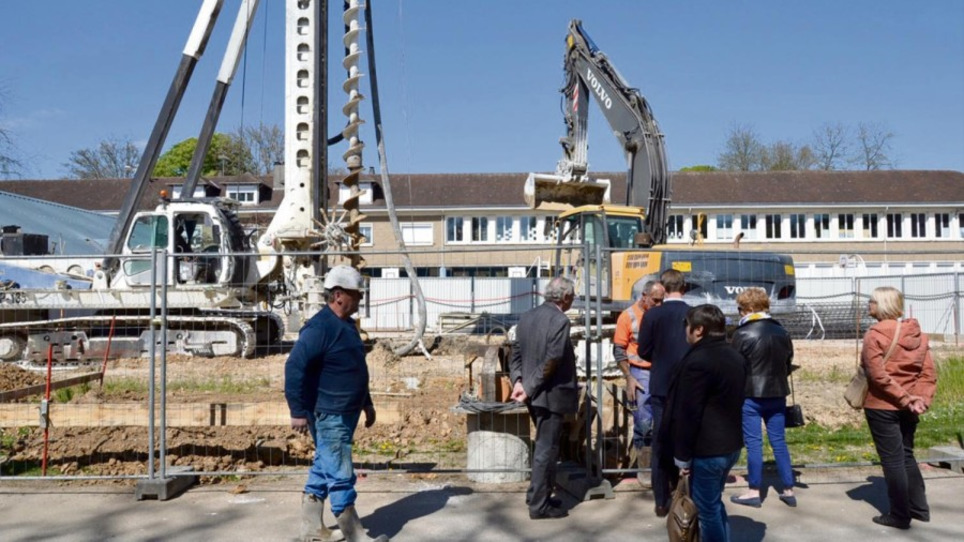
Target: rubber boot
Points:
(352, 528)
(643, 460)
(313, 527)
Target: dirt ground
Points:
(426, 390)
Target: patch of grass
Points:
(225, 385)
(65, 395)
(940, 425)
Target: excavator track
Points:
(86, 339)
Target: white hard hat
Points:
(344, 277)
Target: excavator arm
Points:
(588, 71)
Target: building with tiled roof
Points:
(477, 223)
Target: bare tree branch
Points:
(830, 146)
(112, 159)
(742, 150)
(874, 146)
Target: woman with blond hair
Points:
(901, 384)
(768, 350)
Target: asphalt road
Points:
(834, 504)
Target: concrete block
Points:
(176, 482)
(947, 457)
(490, 450)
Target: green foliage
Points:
(940, 425)
(227, 385)
(700, 168)
(227, 155)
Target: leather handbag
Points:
(683, 522)
(856, 391)
(793, 416)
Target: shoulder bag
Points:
(856, 391)
(683, 521)
(793, 417)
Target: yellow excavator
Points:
(630, 236)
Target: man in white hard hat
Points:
(326, 386)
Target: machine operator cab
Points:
(627, 261)
(198, 233)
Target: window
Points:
(417, 233)
(869, 221)
(894, 226)
(918, 225)
(368, 232)
(674, 230)
(699, 223)
(845, 226)
(528, 228)
(724, 226)
(503, 229)
(748, 226)
(480, 228)
(960, 225)
(942, 225)
(453, 230)
(798, 226)
(821, 225)
(365, 198)
(773, 226)
(198, 192)
(244, 193)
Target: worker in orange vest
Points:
(636, 369)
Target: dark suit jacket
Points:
(662, 341)
(544, 360)
(704, 410)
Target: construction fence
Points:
(115, 404)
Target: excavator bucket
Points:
(555, 193)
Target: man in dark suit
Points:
(543, 369)
(702, 426)
(662, 342)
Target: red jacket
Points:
(909, 370)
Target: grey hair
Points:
(648, 287)
(558, 288)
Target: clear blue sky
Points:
(473, 86)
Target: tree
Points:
(701, 167)
(873, 146)
(227, 155)
(112, 159)
(786, 156)
(266, 144)
(830, 146)
(742, 150)
(10, 165)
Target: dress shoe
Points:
(552, 512)
(662, 511)
(919, 516)
(553, 502)
(889, 521)
(789, 500)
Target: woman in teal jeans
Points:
(768, 349)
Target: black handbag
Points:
(793, 417)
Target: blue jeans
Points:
(643, 415)
(706, 488)
(769, 410)
(332, 473)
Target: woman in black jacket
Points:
(768, 349)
